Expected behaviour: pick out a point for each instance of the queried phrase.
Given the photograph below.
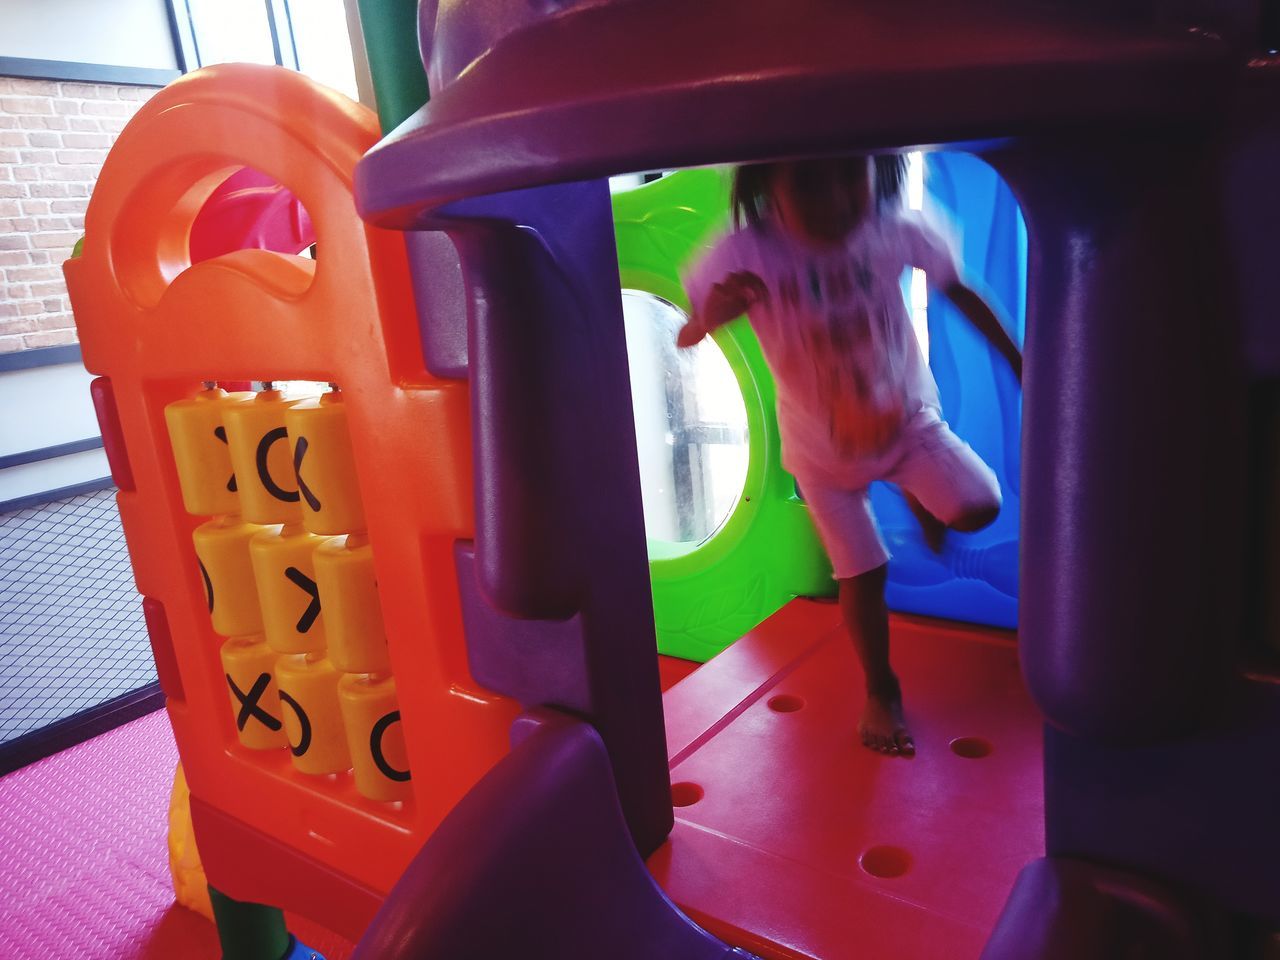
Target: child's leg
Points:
(867, 619)
(859, 560)
(932, 529)
(945, 483)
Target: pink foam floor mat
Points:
(84, 857)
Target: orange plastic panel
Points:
(158, 327)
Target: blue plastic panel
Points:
(975, 578)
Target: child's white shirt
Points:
(835, 332)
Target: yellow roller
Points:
(325, 466)
(312, 717)
(357, 640)
(376, 737)
(259, 447)
(222, 547)
(250, 669)
(200, 451)
(285, 573)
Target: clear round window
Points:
(691, 427)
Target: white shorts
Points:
(928, 461)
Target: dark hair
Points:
(750, 197)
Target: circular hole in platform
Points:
(971, 748)
(685, 794)
(885, 862)
(785, 703)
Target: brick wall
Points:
(54, 137)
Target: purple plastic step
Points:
(556, 584)
(536, 862)
(1069, 910)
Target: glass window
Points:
(691, 425)
(324, 49)
(231, 31)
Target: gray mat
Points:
(71, 628)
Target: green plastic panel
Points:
(766, 552)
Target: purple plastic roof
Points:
(606, 88)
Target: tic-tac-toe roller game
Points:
(373, 389)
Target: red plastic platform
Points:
(767, 856)
(671, 670)
(787, 803)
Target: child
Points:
(815, 263)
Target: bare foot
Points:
(933, 529)
(882, 727)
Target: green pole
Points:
(249, 931)
(391, 42)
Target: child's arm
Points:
(984, 319)
(731, 297)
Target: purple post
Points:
(440, 298)
(1133, 443)
(1199, 813)
(556, 585)
(1253, 211)
(1069, 910)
